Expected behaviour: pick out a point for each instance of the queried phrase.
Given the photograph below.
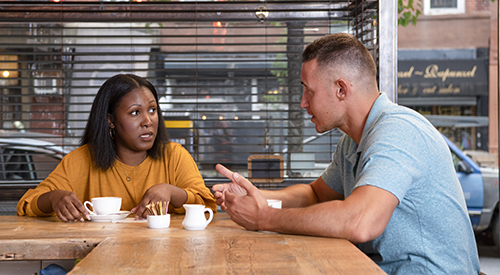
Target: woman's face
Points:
(135, 122)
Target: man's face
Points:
(319, 97)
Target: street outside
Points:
(489, 256)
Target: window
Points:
(439, 7)
(28, 159)
(228, 73)
(24, 162)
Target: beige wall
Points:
(470, 30)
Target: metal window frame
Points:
(383, 44)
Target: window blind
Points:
(227, 72)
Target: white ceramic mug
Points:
(195, 217)
(274, 203)
(104, 205)
(158, 221)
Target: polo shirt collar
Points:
(381, 104)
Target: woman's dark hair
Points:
(97, 132)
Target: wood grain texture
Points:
(133, 248)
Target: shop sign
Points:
(442, 78)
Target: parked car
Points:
(480, 187)
(25, 160)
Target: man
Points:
(391, 187)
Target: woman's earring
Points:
(112, 133)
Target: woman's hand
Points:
(65, 204)
(160, 193)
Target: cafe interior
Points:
(228, 77)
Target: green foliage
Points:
(149, 25)
(272, 98)
(410, 12)
(281, 66)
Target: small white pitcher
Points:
(195, 217)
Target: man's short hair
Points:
(341, 49)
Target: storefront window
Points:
(227, 73)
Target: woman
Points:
(124, 153)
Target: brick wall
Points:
(477, 5)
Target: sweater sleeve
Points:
(71, 166)
(185, 174)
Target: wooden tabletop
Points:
(133, 248)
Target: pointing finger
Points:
(224, 171)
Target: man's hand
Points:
(240, 199)
(220, 189)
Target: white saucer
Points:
(109, 218)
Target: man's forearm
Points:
(299, 195)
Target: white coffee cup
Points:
(104, 205)
(158, 221)
(274, 203)
(195, 217)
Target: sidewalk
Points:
(489, 257)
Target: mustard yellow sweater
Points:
(76, 173)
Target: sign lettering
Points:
(432, 71)
(442, 77)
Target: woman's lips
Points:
(147, 136)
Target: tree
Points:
(409, 10)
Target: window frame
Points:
(130, 13)
(460, 9)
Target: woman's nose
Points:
(148, 122)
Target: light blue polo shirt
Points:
(401, 152)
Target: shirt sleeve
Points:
(72, 165)
(332, 175)
(392, 160)
(335, 174)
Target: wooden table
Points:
(133, 248)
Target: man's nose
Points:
(304, 103)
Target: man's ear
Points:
(110, 122)
(343, 89)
